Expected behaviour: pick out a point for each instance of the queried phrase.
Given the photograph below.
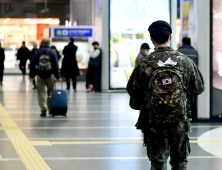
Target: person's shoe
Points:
(34, 87)
(93, 90)
(1, 84)
(50, 113)
(67, 88)
(90, 88)
(75, 90)
(43, 114)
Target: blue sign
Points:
(73, 32)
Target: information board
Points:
(73, 32)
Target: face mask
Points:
(146, 52)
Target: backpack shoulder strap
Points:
(47, 52)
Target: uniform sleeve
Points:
(196, 82)
(136, 86)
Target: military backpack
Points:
(167, 93)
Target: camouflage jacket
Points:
(137, 86)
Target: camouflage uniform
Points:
(162, 137)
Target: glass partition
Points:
(216, 51)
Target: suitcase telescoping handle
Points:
(61, 84)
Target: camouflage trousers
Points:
(171, 141)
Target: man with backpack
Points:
(45, 65)
(161, 84)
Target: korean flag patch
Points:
(167, 81)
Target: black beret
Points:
(160, 25)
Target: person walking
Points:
(46, 61)
(144, 51)
(70, 68)
(23, 55)
(57, 52)
(2, 59)
(161, 83)
(189, 51)
(35, 48)
(93, 77)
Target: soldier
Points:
(161, 83)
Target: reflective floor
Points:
(98, 133)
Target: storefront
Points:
(13, 31)
(25, 21)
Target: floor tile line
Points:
(60, 128)
(47, 143)
(81, 106)
(107, 158)
(76, 112)
(87, 139)
(74, 119)
(89, 127)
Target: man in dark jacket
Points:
(165, 115)
(70, 68)
(45, 65)
(144, 51)
(93, 77)
(189, 51)
(2, 59)
(23, 55)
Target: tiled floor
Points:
(93, 117)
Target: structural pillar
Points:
(82, 11)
